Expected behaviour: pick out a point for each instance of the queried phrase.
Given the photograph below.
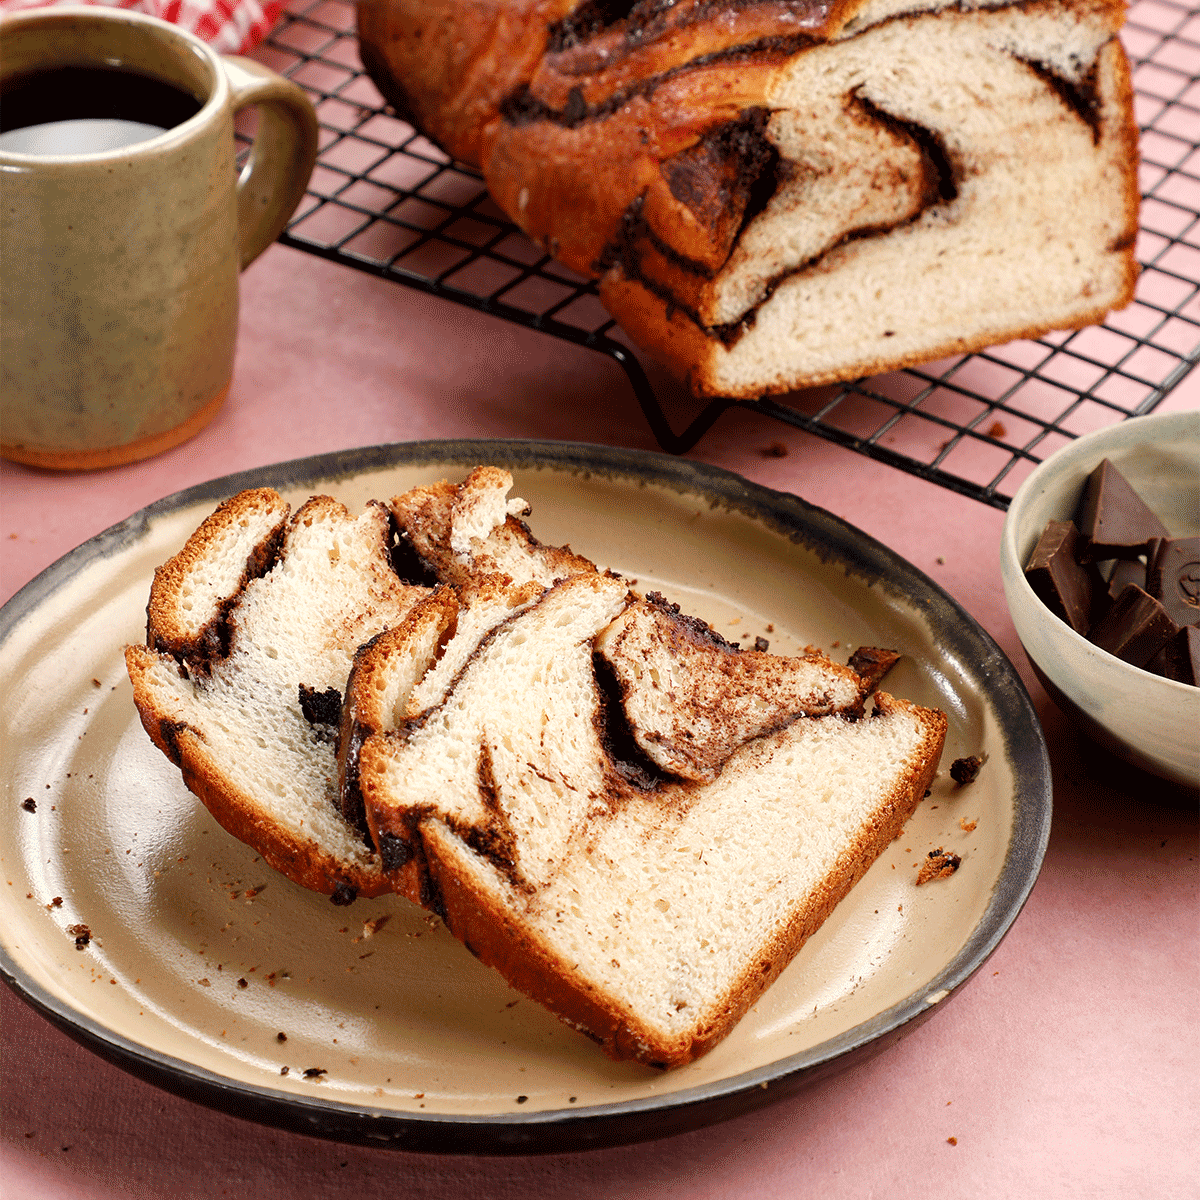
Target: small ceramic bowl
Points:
(1151, 722)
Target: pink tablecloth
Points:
(1067, 1067)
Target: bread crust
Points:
(259, 512)
(432, 518)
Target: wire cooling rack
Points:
(385, 200)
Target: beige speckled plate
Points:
(209, 975)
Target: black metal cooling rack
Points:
(386, 201)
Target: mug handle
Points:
(272, 182)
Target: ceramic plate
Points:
(211, 976)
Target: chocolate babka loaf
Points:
(785, 193)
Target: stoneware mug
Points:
(120, 252)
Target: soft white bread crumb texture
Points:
(651, 917)
(236, 723)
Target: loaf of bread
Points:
(784, 193)
(637, 822)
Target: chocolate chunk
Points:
(321, 708)
(1113, 519)
(1124, 572)
(1136, 628)
(394, 851)
(964, 770)
(1173, 577)
(29, 804)
(1061, 584)
(1179, 659)
(344, 894)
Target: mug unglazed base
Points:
(116, 456)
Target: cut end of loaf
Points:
(776, 197)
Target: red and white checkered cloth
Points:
(230, 26)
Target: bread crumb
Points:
(952, 1140)
(996, 429)
(939, 864)
(967, 826)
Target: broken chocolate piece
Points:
(321, 708)
(1113, 519)
(1179, 659)
(964, 770)
(1126, 571)
(1136, 628)
(1173, 577)
(1061, 584)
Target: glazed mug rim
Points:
(212, 80)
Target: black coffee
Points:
(81, 110)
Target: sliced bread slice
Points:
(647, 911)
(241, 681)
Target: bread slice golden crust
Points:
(517, 807)
(241, 681)
(783, 194)
(192, 593)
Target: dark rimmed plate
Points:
(200, 957)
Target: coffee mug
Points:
(123, 225)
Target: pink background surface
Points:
(1068, 1066)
